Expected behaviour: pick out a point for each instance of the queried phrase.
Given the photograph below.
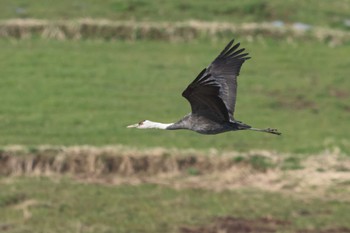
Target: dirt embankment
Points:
(313, 175)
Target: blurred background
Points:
(74, 74)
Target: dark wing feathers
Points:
(213, 92)
(203, 95)
(232, 51)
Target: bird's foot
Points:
(273, 131)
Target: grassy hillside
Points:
(87, 92)
(316, 12)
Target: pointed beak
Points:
(132, 126)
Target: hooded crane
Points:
(212, 96)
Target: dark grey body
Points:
(203, 125)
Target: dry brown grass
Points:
(104, 161)
(183, 31)
(315, 175)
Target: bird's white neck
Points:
(155, 125)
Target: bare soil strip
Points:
(167, 31)
(313, 176)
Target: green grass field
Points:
(44, 205)
(87, 92)
(315, 12)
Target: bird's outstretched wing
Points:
(204, 96)
(213, 92)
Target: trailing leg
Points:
(268, 130)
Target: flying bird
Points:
(212, 96)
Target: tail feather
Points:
(238, 125)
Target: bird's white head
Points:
(146, 124)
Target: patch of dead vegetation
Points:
(297, 103)
(339, 93)
(231, 224)
(289, 100)
(238, 225)
(312, 176)
(329, 230)
(6, 227)
(174, 31)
